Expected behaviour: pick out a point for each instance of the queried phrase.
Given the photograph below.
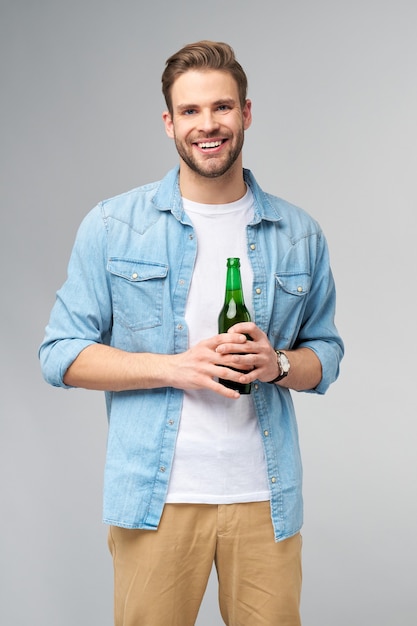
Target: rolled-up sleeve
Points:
(318, 331)
(82, 312)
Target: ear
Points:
(247, 114)
(169, 125)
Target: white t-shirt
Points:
(219, 457)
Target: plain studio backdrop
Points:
(334, 91)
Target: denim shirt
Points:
(128, 280)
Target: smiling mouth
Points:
(206, 145)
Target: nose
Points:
(207, 121)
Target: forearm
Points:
(105, 368)
(305, 371)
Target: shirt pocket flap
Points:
(295, 284)
(136, 271)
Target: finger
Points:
(248, 328)
(228, 337)
(227, 374)
(244, 347)
(226, 391)
(245, 362)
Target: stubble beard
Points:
(213, 167)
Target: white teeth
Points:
(210, 144)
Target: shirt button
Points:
(258, 290)
(181, 281)
(273, 479)
(299, 289)
(180, 326)
(266, 433)
(171, 422)
(134, 276)
(253, 246)
(162, 469)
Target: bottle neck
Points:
(234, 285)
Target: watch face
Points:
(285, 364)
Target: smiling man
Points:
(195, 473)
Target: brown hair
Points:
(206, 55)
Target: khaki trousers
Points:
(161, 576)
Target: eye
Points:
(188, 111)
(223, 107)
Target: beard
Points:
(210, 167)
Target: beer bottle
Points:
(233, 311)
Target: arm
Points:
(102, 367)
(76, 350)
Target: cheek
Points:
(180, 130)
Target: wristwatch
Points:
(283, 366)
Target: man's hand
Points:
(201, 365)
(256, 355)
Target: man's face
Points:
(207, 121)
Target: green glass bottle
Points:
(233, 311)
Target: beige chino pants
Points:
(160, 576)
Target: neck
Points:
(226, 188)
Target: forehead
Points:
(203, 86)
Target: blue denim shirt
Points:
(128, 280)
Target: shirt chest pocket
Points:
(137, 292)
(290, 298)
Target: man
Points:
(195, 473)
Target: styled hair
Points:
(203, 55)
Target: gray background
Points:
(334, 95)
